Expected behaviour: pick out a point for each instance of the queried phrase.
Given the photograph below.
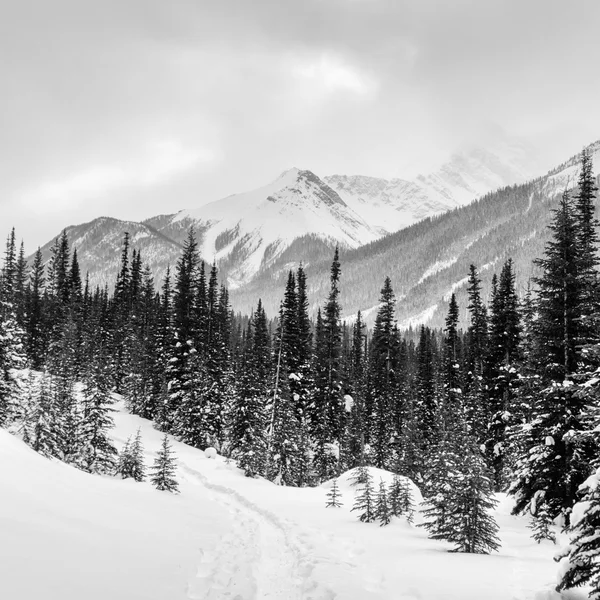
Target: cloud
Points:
(330, 73)
(160, 162)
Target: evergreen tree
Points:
(249, 418)
(365, 502)
(540, 526)
(556, 458)
(35, 323)
(382, 507)
(12, 357)
(100, 454)
(503, 370)
(131, 459)
(581, 558)
(328, 406)
(164, 468)
(333, 496)
(383, 386)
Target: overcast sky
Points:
(131, 108)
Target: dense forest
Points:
(507, 404)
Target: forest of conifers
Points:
(509, 404)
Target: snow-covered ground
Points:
(67, 535)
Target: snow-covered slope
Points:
(99, 244)
(391, 205)
(67, 535)
(255, 227)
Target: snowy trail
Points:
(257, 560)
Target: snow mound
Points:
(347, 486)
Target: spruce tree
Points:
(333, 496)
(382, 506)
(328, 407)
(581, 558)
(540, 526)
(131, 459)
(164, 469)
(555, 456)
(364, 502)
(100, 453)
(383, 388)
(249, 416)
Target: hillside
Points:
(68, 535)
(430, 259)
(298, 217)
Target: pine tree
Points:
(365, 502)
(35, 322)
(425, 406)
(42, 417)
(100, 454)
(164, 469)
(328, 407)
(472, 528)
(476, 401)
(355, 437)
(581, 558)
(131, 459)
(360, 476)
(540, 526)
(382, 507)
(249, 418)
(12, 357)
(383, 382)
(401, 498)
(333, 496)
(555, 456)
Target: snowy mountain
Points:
(429, 260)
(99, 243)
(402, 228)
(391, 205)
(252, 229)
(69, 535)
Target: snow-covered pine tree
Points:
(131, 459)
(360, 475)
(333, 496)
(164, 469)
(99, 451)
(405, 501)
(541, 526)
(476, 402)
(470, 525)
(12, 357)
(426, 401)
(382, 506)
(383, 384)
(41, 419)
(354, 447)
(364, 502)
(580, 560)
(124, 461)
(556, 456)
(327, 410)
(504, 359)
(249, 416)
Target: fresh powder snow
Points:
(68, 535)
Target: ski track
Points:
(259, 559)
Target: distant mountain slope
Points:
(256, 237)
(99, 245)
(430, 259)
(247, 232)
